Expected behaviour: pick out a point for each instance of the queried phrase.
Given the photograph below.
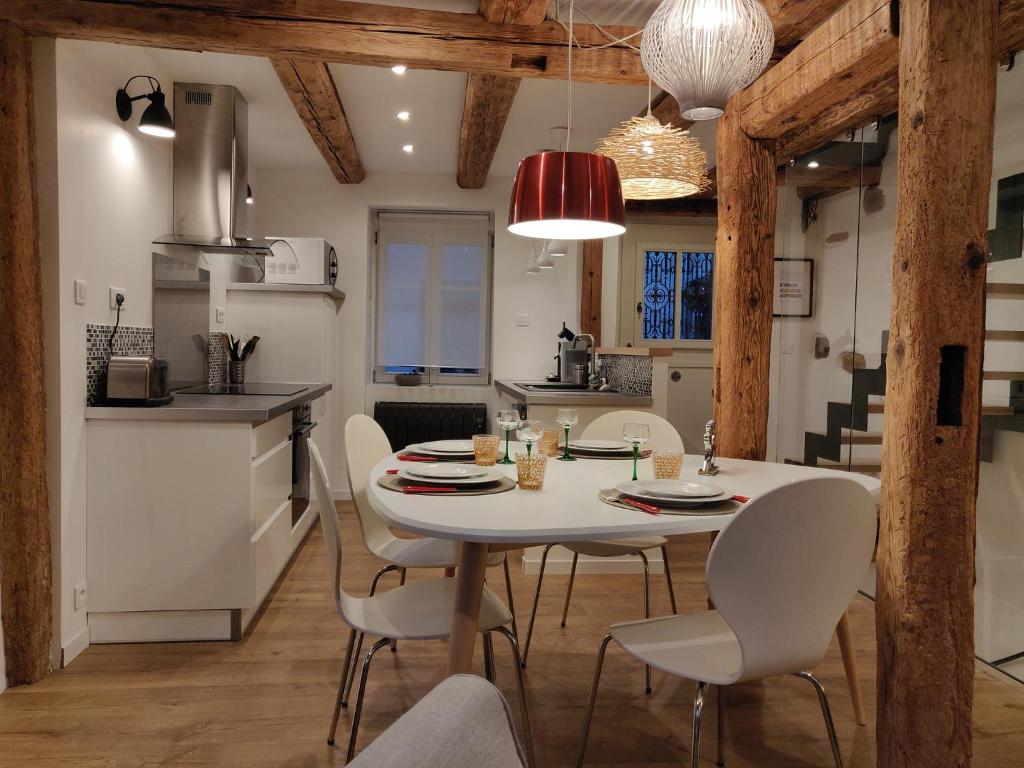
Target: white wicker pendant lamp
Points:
(704, 51)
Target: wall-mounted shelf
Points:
(328, 290)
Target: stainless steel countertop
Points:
(568, 397)
(253, 409)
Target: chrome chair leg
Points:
(568, 589)
(488, 658)
(536, 599)
(508, 594)
(720, 695)
(698, 707)
(341, 687)
(352, 672)
(376, 577)
(647, 613)
(523, 702)
(668, 578)
(359, 696)
(826, 713)
(593, 699)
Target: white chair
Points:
(780, 576)
(464, 722)
(608, 426)
(365, 446)
(419, 610)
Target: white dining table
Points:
(568, 509)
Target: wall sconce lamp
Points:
(248, 195)
(155, 120)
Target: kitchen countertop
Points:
(253, 409)
(568, 397)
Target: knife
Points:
(650, 509)
(428, 489)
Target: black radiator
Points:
(406, 423)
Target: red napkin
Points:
(741, 499)
(428, 489)
(392, 471)
(650, 509)
(413, 457)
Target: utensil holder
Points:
(236, 372)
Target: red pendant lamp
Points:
(567, 195)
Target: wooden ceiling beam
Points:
(335, 31)
(846, 176)
(679, 206)
(794, 19)
(312, 90)
(514, 11)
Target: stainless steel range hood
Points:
(211, 173)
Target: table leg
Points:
(469, 591)
(845, 636)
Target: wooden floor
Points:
(266, 701)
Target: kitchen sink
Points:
(558, 386)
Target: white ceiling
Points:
(373, 95)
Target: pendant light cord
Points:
(568, 130)
(648, 97)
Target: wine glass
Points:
(636, 435)
(567, 418)
(530, 431)
(507, 420)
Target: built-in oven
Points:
(302, 426)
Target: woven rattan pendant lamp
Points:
(704, 51)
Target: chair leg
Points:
(488, 658)
(523, 702)
(647, 613)
(568, 589)
(376, 577)
(536, 599)
(698, 707)
(352, 672)
(826, 713)
(341, 687)
(668, 578)
(720, 762)
(593, 700)
(359, 696)
(401, 579)
(508, 594)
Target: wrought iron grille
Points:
(696, 272)
(659, 321)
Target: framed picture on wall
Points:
(794, 288)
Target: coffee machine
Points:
(572, 351)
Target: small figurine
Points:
(710, 436)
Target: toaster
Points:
(137, 380)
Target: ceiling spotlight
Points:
(544, 260)
(399, 69)
(248, 195)
(403, 115)
(557, 247)
(407, 148)
(155, 120)
(812, 164)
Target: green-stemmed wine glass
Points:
(567, 418)
(636, 435)
(507, 420)
(530, 431)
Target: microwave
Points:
(302, 261)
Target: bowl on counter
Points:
(408, 379)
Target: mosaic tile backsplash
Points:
(216, 359)
(130, 340)
(630, 374)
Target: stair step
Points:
(848, 466)
(1003, 375)
(986, 410)
(853, 437)
(1004, 335)
(1005, 290)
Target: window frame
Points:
(432, 375)
(678, 247)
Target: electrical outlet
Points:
(787, 348)
(522, 319)
(113, 297)
(81, 291)
(81, 594)
(220, 314)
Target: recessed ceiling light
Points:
(812, 164)
(398, 69)
(407, 148)
(403, 115)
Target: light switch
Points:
(522, 319)
(220, 314)
(787, 348)
(81, 291)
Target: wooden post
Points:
(591, 265)
(24, 518)
(744, 262)
(925, 610)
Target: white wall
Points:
(114, 197)
(314, 204)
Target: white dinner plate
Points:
(419, 450)
(490, 475)
(604, 446)
(630, 490)
(448, 446)
(673, 489)
(447, 470)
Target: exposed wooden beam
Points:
(311, 88)
(591, 265)
(680, 206)
(930, 451)
(744, 266)
(830, 176)
(335, 31)
(25, 578)
(514, 11)
(794, 19)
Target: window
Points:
(676, 295)
(433, 290)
